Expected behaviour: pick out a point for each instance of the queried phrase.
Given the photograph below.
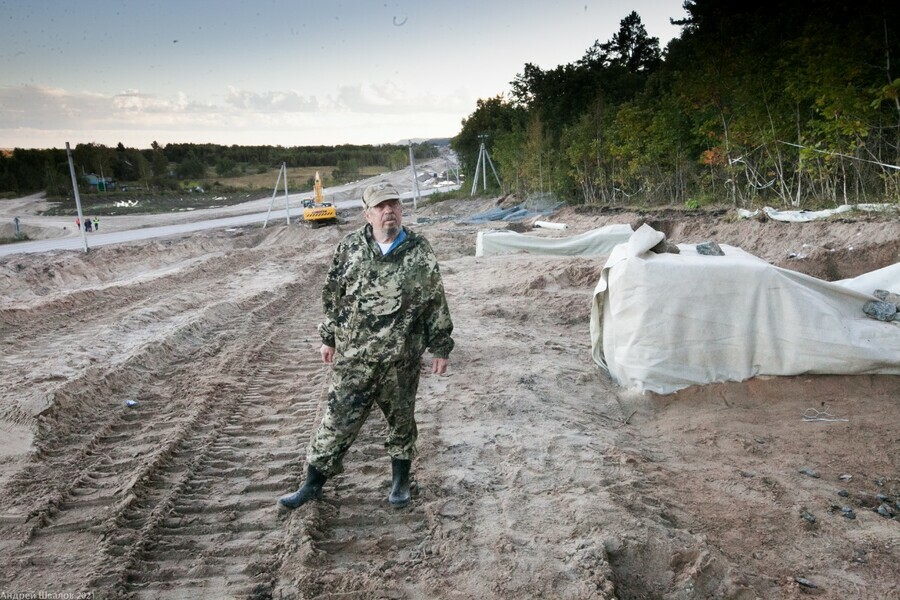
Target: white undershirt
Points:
(385, 247)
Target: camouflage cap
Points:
(378, 193)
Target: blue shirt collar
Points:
(397, 241)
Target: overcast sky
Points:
(279, 72)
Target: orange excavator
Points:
(317, 212)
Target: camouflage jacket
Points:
(385, 308)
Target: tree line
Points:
(25, 171)
(791, 103)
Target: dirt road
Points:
(157, 398)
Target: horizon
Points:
(149, 147)
(232, 73)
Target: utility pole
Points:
(287, 212)
(77, 197)
(412, 164)
(480, 167)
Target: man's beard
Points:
(391, 230)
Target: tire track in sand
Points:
(220, 537)
(82, 329)
(111, 494)
(95, 473)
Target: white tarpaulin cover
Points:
(804, 216)
(663, 322)
(593, 242)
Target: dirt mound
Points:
(32, 232)
(157, 399)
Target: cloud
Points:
(32, 105)
(382, 98)
(46, 107)
(133, 101)
(370, 113)
(269, 102)
(388, 98)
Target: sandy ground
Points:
(156, 399)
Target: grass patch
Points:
(119, 203)
(22, 237)
(443, 196)
(298, 178)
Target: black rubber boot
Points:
(311, 490)
(400, 488)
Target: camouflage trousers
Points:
(355, 387)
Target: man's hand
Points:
(439, 365)
(327, 353)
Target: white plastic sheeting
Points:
(663, 322)
(805, 216)
(593, 242)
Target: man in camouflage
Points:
(384, 306)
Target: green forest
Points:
(793, 104)
(171, 167)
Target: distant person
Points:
(87, 224)
(78, 223)
(384, 305)
(96, 223)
